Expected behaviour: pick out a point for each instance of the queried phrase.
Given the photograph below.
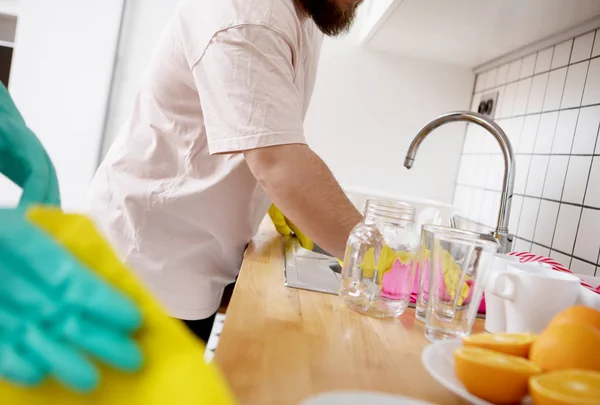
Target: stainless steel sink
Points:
(309, 270)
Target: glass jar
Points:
(378, 268)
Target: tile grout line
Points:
(533, 197)
(569, 157)
(573, 145)
(520, 138)
(547, 164)
(496, 87)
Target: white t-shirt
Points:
(173, 195)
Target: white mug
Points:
(495, 312)
(533, 295)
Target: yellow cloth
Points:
(386, 260)
(174, 370)
(452, 273)
(285, 227)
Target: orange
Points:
(517, 344)
(569, 387)
(567, 345)
(496, 377)
(580, 314)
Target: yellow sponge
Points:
(174, 371)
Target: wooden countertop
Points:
(281, 345)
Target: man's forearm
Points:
(304, 189)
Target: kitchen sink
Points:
(310, 270)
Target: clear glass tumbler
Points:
(460, 266)
(423, 269)
(377, 276)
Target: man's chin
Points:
(330, 16)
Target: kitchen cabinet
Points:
(467, 32)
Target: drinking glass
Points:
(460, 266)
(423, 268)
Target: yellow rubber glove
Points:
(285, 227)
(174, 370)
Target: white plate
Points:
(438, 359)
(361, 398)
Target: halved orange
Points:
(568, 387)
(496, 377)
(516, 344)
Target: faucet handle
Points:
(505, 240)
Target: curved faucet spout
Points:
(491, 127)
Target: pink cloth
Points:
(396, 282)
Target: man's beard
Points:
(329, 16)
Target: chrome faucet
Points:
(501, 233)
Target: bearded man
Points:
(216, 137)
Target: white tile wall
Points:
(530, 129)
(592, 196)
(562, 53)
(554, 91)
(502, 75)
(537, 175)
(514, 70)
(596, 49)
(573, 91)
(538, 91)
(540, 250)
(587, 247)
(555, 177)
(529, 214)
(549, 106)
(546, 223)
(586, 131)
(528, 65)
(566, 228)
(545, 135)
(544, 59)
(582, 47)
(520, 105)
(576, 181)
(565, 131)
(591, 94)
(583, 268)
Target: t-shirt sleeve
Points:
(245, 80)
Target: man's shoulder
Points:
(280, 15)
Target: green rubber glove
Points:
(55, 314)
(23, 158)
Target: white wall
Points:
(367, 108)
(10, 7)
(143, 23)
(60, 80)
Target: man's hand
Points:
(303, 187)
(285, 227)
